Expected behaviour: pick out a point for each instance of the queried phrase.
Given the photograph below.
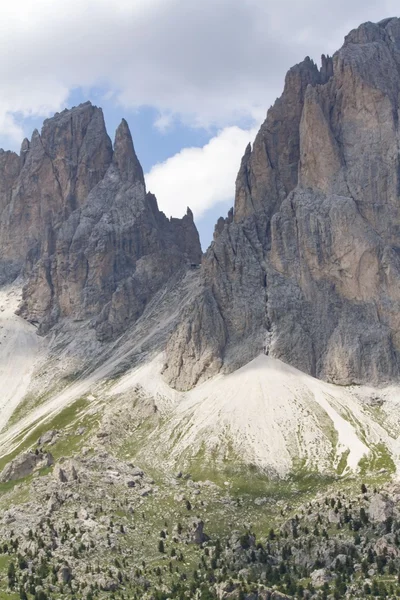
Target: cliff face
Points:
(77, 222)
(307, 269)
(52, 176)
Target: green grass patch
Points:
(74, 413)
(378, 459)
(342, 464)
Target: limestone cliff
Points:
(77, 222)
(308, 266)
(53, 176)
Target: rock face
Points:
(77, 221)
(52, 176)
(307, 267)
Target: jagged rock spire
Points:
(76, 221)
(125, 158)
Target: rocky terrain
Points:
(218, 426)
(77, 221)
(306, 268)
(81, 519)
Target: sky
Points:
(193, 79)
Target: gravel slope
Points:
(20, 348)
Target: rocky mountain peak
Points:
(57, 170)
(124, 157)
(24, 150)
(308, 271)
(269, 170)
(74, 222)
(373, 32)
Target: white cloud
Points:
(164, 122)
(209, 62)
(9, 127)
(200, 177)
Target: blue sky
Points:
(193, 80)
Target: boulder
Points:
(47, 438)
(196, 532)
(319, 577)
(25, 464)
(380, 508)
(64, 574)
(66, 471)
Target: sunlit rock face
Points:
(307, 268)
(77, 223)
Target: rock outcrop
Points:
(77, 221)
(25, 464)
(307, 268)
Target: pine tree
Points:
(11, 575)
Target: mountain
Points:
(180, 425)
(303, 272)
(77, 222)
(306, 269)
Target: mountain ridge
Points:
(306, 268)
(297, 271)
(222, 426)
(95, 245)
